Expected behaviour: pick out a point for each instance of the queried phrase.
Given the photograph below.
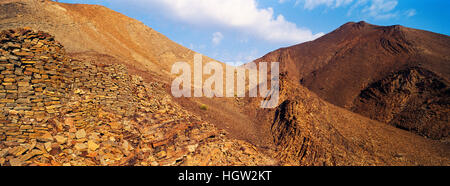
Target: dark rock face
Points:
(304, 135)
(309, 131)
(296, 138)
(414, 99)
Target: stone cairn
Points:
(34, 77)
(59, 111)
(37, 83)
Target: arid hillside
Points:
(309, 131)
(392, 74)
(84, 85)
(92, 28)
(56, 110)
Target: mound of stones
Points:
(34, 78)
(57, 111)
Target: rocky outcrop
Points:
(309, 131)
(93, 113)
(304, 135)
(414, 99)
(300, 139)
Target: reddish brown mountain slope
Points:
(92, 28)
(393, 74)
(309, 131)
(96, 33)
(303, 130)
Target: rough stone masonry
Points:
(39, 83)
(33, 77)
(61, 111)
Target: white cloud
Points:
(410, 12)
(381, 9)
(311, 4)
(239, 15)
(217, 38)
(378, 9)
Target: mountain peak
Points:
(375, 58)
(362, 24)
(356, 24)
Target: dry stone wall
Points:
(38, 81)
(59, 111)
(34, 77)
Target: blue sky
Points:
(238, 31)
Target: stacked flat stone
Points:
(58, 111)
(105, 86)
(34, 77)
(37, 82)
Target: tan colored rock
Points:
(81, 147)
(16, 162)
(114, 125)
(16, 151)
(30, 154)
(192, 148)
(4, 152)
(48, 146)
(61, 139)
(80, 134)
(45, 137)
(92, 145)
(161, 154)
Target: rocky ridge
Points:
(414, 99)
(103, 114)
(308, 131)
